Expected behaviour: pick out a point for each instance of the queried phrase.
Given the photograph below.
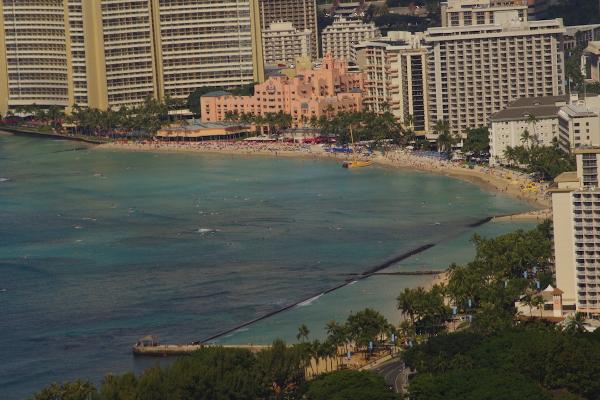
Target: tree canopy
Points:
(477, 141)
(546, 161)
(350, 385)
(518, 363)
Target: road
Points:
(393, 373)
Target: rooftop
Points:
(570, 176)
(538, 107)
(520, 113)
(217, 93)
(196, 125)
(586, 150)
(574, 110)
(539, 101)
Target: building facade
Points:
(396, 78)
(590, 61)
(579, 36)
(579, 126)
(576, 218)
(538, 116)
(456, 13)
(301, 13)
(205, 44)
(113, 53)
(284, 44)
(341, 37)
(312, 93)
(476, 71)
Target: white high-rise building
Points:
(476, 71)
(482, 12)
(285, 44)
(340, 37)
(536, 115)
(576, 220)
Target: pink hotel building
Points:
(312, 92)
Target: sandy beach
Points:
(501, 180)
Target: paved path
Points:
(393, 373)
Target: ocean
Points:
(99, 248)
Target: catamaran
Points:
(355, 163)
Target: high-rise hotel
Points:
(487, 56)
(112, 53)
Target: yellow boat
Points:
(355, 163)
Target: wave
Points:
(309, 301)
(4, 179)
(204, 231)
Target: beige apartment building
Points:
(536, 115)
(113, 53)
(301, 13)
(576, 220)
(476, 71)
(341, 37)
(396, 77)
(482, 12)
(203, 43)
(282, 43)
(579, 126)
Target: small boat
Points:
(356, 164)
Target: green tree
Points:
(475, 384)
(77, 390)
(349, 385)
(478, 140)
(366, 326)
(575, 324)
(303, 333)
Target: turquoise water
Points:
(98, 248)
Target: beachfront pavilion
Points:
(203, 131)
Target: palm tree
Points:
(259, 121)
(525, 137)
(444, 138)
(538, 302)
(303, 333)
(406, 303)
(527, 300)
(575, 324)
(531, 119)
(232, 116)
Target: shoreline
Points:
(499, 180)
(49, 135)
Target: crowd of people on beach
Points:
(232, 146)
